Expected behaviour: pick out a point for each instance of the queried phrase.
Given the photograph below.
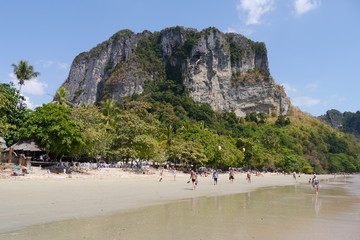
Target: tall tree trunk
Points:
(19, 104)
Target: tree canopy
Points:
(54, 128)
(11, 116)
(165, 124)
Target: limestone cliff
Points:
(228, 71)
(334, 118)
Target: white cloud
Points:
(33, 86)
(254, 9)
(337, 98)
(334, 99)
(231, 30)
(305, 101)
(289, 88)
(59, 65)
(304, 6)
(312, 86)
(242, 30)
(63, 65)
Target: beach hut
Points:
(27, 148)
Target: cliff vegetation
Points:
(164, 123)
(347, 122)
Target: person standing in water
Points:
(215, 177)
(231, 175)
(315, 183)
(248, 177)
(193, 178)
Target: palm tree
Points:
(109, 107)
(61, 97)
(23, 72)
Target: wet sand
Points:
(106, 203)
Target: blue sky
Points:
(313, 45)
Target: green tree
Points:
(169, 133)
(295, 163)
(61, 97)
(11, 116)
(187, 152)
(251, 116)
(53, 127)
(127, 129)
(4, 125)
(109, 107)
(262, 117)
(97, 134)
(23, 72)
(336, 144)
(282, 120)
(147, 147)
(228, 156)
(351, 122)
(340, 162)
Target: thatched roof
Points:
(28, 144)
(2, 143)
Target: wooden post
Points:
(21, 157)
(10, 155)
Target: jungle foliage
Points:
(164, 123)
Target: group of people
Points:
(215, 176)
(162, 172)
(193, 178)
(44, 158)
(194, 181)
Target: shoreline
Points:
(43, 198)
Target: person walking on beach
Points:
(161, 175)
(193, 178)
(231, 175)
(174, 174)
(215, 177)
(294, 176)
(315, 183)
(248, 177)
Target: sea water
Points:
(292, 212)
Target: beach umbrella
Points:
(20, 167)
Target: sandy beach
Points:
(40, 197)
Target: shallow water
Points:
(292, 212)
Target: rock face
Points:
(334, 118)
(347, 122)
(227, 71)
